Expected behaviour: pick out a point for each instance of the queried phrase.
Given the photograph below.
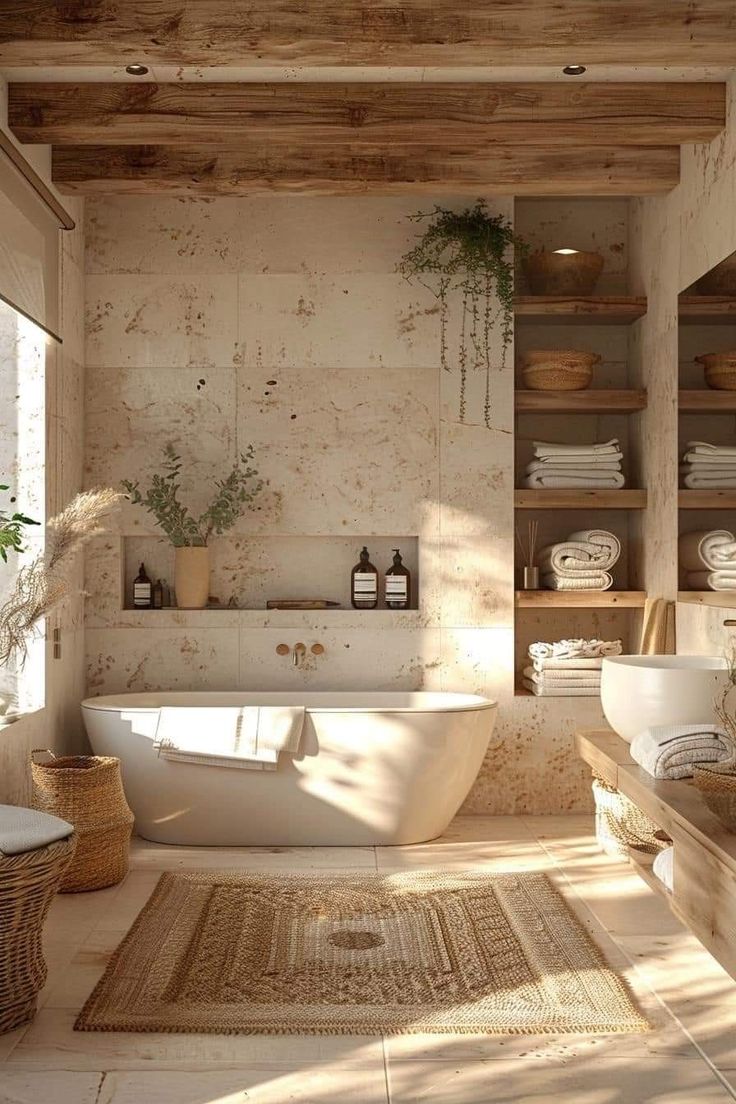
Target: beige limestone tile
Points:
(49, 1087)
(51, 1043)
(474, 580)
(131, 414)
(303, 1084)
(587, 1080)
(161, 322)
(347, 322)
(147, 855)
(120, 660)
(493, 858)
(343, 452)
(384, 659)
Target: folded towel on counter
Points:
(555, 448)
(557, 478)
(596, 580)
(711, 580)
(560, 666)
(586, 551)
(707, 548)
(563, 678)
(669, 751)
(246, 737)
(576, 648)
(561, 691)
(663, 867)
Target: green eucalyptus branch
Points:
(161, 499)
(12, 530)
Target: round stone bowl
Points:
(639, 692)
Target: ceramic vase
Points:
(192, 577)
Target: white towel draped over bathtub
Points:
(248, 737)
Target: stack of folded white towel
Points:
(568, 668)
(708, 467)
(708, 558)
(582, 562)
(596, 466)
(670, 751)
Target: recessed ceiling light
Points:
(136, 70)
(574, 70)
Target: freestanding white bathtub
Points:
(373, 768)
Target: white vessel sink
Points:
(638, 692)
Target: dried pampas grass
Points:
(44, 583)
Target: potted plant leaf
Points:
(190, 536)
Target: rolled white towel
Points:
(562, 480)
(669, 751)
(663, 867)
(600, 580)
(575, 648)
(585, 551)
(713, 549)
(711, 580)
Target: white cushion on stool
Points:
(28, 829)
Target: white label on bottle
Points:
(396, 586)
(365, 583)
(141, 593)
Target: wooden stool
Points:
(29, 880)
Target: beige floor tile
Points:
(21, 1087)
(574, 826)
(303, 1084)
(496, 856)
(588, 1080)
(155, 856)
(51, 1043)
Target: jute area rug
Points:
(235, 953)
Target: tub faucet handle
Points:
(282, 649)
(298, 653)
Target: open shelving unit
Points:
(707, 323)
(600, 323)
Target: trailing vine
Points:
(468, 252)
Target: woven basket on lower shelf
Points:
(620, 825)
(87, 791)
(719, 793)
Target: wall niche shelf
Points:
(586, 310)
(707, 402)
(707, 500)
(580, 599)
(723, 599)
(546, 499)
(590, 401)
(707, 310)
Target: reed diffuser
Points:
(528, 550)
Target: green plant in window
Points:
(232, 496)
(12, 528)
(470, 252)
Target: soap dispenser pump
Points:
(364, 583)
(398, 584)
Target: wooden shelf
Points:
(723, 599)
(707, 402)
(707, 310)
(582, 402)
(587, 310)
(580, 599)
(707, 500)
(581, 500)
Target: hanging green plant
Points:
(470, 252)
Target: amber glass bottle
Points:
(142, 590)
(364, 583)
(398, 584)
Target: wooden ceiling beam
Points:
(519, 170)
(370, 114)
(368, 32)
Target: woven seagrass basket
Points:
(28, 884)
(87, 791)
(719, 793)
(620, 825)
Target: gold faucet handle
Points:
(318, 649)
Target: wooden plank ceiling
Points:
(243, 138)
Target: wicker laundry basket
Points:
(28, 883)
(620, 825)
(719, 793)
(87, 790)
